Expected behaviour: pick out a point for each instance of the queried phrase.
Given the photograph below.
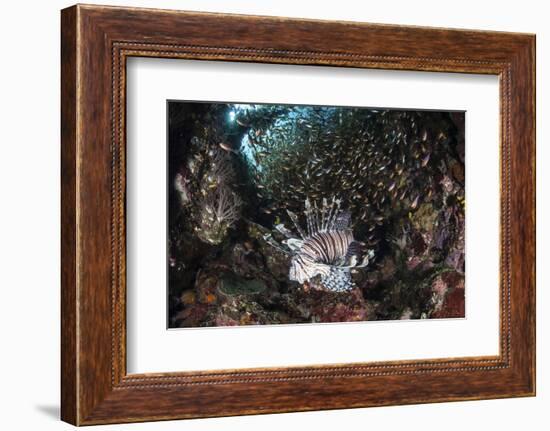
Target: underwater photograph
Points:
(288, 214)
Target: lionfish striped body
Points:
(326, 248)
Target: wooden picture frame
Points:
(95, 43)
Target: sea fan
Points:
(218, 211)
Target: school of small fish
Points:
(382, 163)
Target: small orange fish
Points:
(415, 202)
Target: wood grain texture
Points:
(96, 41)
(69, 397)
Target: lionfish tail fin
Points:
(342, 221)
(353, 253)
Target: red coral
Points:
(453, 306)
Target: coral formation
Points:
(255, 237)
(218, 210)
(204, 186)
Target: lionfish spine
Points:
(316, 217)
(323, 213)
(308, 213)
(334, 210)
(294, 219)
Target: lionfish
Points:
(326, 248)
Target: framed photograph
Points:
(321, 214)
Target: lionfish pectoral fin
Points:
(337, 280)
(282, 229)
(269, 239)
(353, 253)
(294, 244)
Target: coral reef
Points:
(252, 223)
(204, 185)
